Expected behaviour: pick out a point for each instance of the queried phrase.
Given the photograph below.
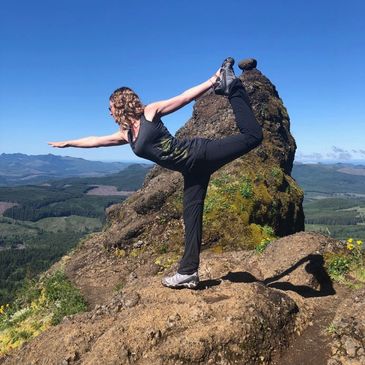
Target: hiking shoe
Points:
(225, 78)
(181, 281)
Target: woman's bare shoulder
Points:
(150, 112)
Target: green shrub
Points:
(63, 297)
(259, 248)
(246, 189)
(162, 249)
(40, 304)
(28, 292)
(268, 231)
(338, 265)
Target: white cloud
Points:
(337, 149)
(314, 155)
(335, 154)
(345, 156)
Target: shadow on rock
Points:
(205, 284)
(314, 267)
(240, 277)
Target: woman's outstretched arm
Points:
(168, 106)
(114, 139)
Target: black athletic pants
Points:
(217, 153)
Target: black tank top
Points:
(154, 142)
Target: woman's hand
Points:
(59, 144)
(214, 78)
(218, 73)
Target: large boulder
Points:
(296, 263)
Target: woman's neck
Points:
(134, 126)
(134, 123)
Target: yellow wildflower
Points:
(359, 242)
(350, 240)
(350, 246)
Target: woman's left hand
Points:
(58, 144)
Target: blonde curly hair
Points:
(128, 106)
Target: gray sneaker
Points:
(226, 77)
(181, 281)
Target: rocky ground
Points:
(273, 308)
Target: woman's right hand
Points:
(218, 73)
(214, 78)
(59, 144)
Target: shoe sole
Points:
(223, 87)
(191, 285)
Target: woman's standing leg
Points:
(221, 151)
(195, 189)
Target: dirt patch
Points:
(108, 190)
(6, 205)
(313, 346)
(352, 171)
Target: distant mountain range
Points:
(330, 178)
(22, 169)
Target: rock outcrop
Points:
(249, 199)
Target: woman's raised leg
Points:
(221, 151)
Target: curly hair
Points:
(127, 106)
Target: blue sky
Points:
(61, 60)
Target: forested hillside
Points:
(334, 198)
(47, 220)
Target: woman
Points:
(195, 158)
